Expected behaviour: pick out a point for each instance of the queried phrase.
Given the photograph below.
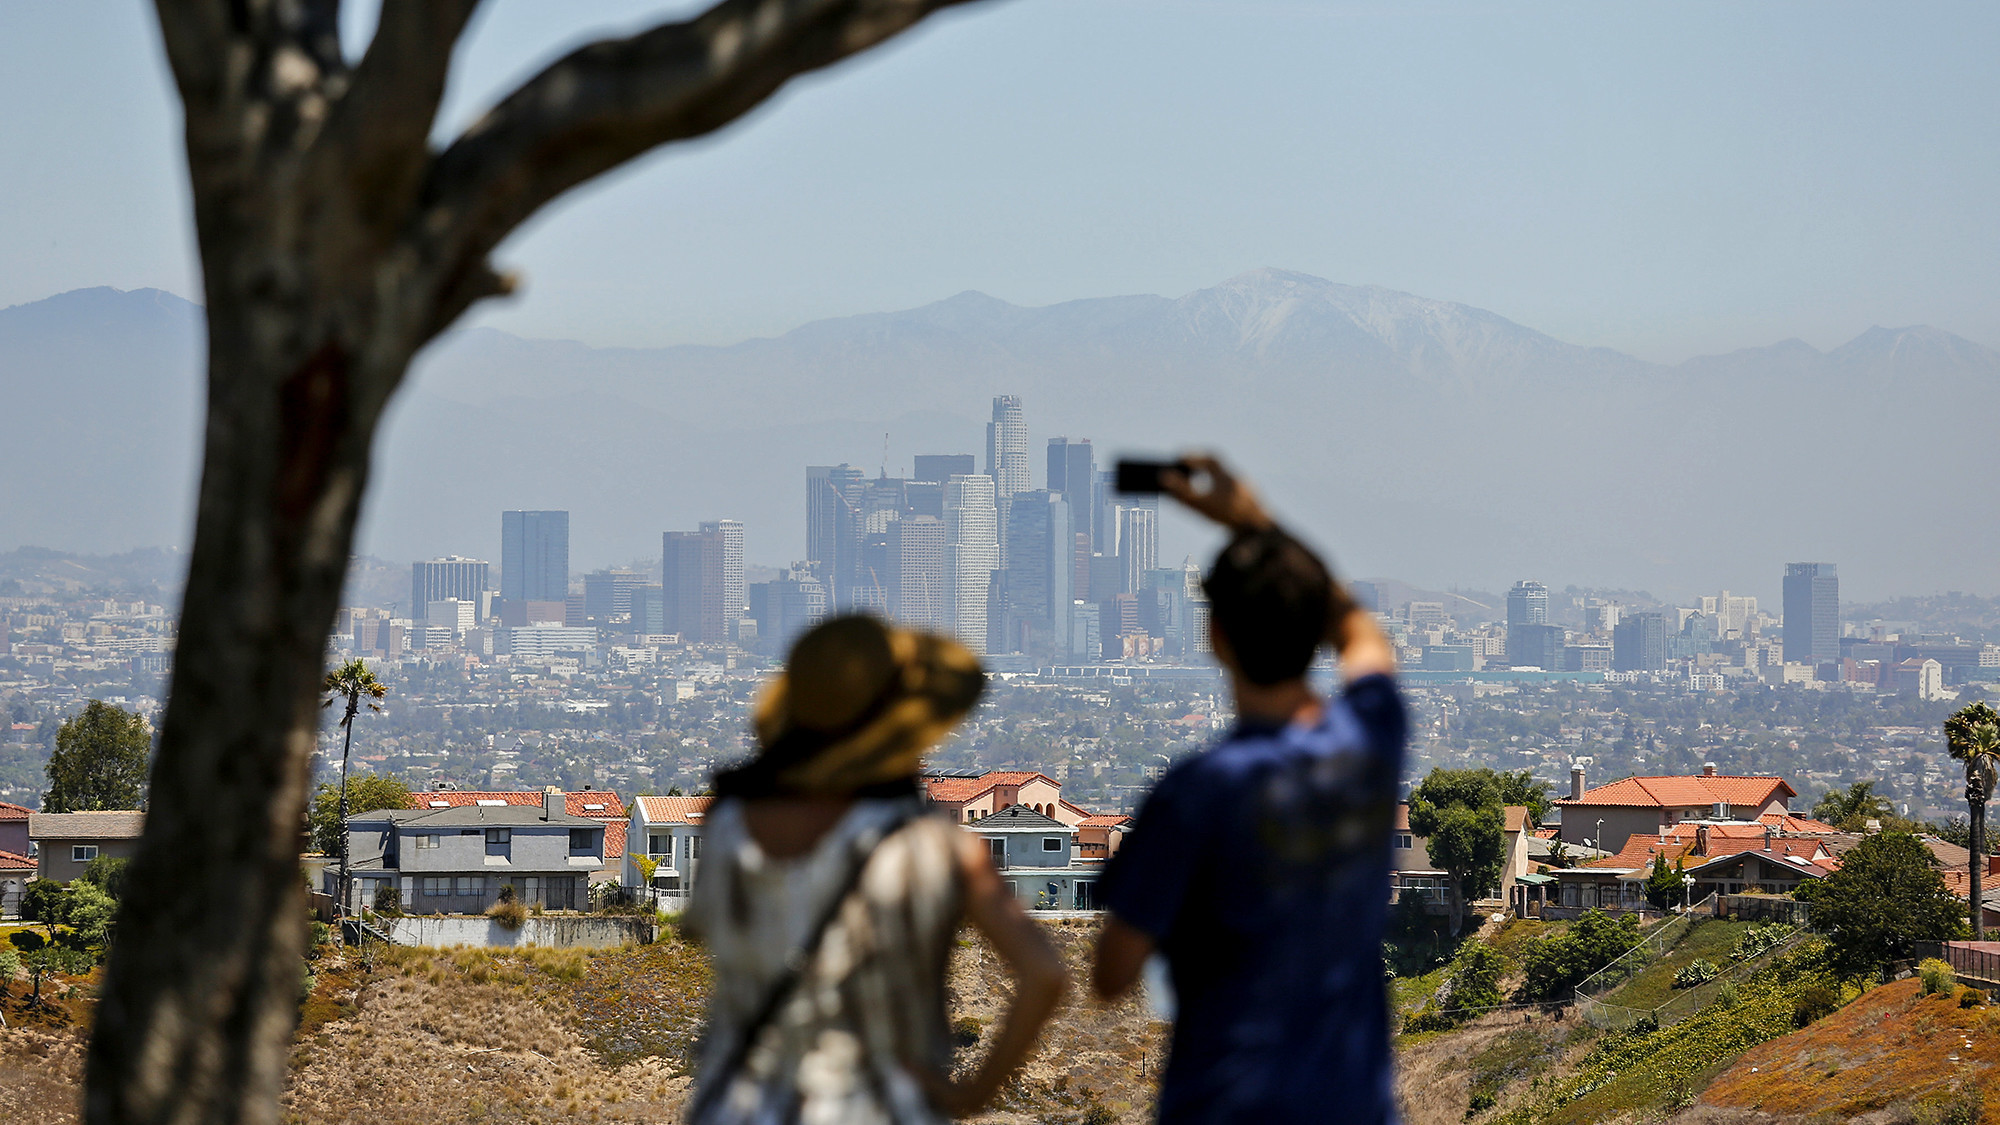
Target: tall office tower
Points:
(792, 605)
(1138, 542)
(827, 488)
(971, 553)
(681, 565)
(730, 591)
(1639, 643)
(918, 593)
(1536, 646)
(1812, 613)
(1073, 472)
(608, 593)
(649, 609)
(1040, 561)
(937, 468)
(445, 579)
(924, 498)
(1006, 458)
(1527, 608)
(534, 556)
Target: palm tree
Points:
(1973, 737)
(351, 681)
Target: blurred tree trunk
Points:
(335, 243)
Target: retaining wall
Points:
(555, 930)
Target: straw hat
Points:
(858, 704)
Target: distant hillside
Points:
(1422, 438)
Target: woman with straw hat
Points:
(829, 899)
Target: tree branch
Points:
(610, 101)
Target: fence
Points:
(1634, 961)
(1764, 908)
(1969, 962)
(1687, 1001)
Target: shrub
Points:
(507, 893)
(27, 941)
(1427, 1020)
(1971, 998)
(1816, 1002)
(1937, 977)
(1555, 966)
(1097, 1113)
(1727, 994)
(10, 963)
(1947, 1107)
(107, 873)
(509, 913)
(1759, 938)
(1481, 1102)
(90, 913)
(389, 900)
(965, 1031)
(43, 901)
(1696, 972)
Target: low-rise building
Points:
(596, 804)
(1034, 855)
(1609, 815)
(668, 832)
(454, 860)
(65, 843)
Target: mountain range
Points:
(1430, 440)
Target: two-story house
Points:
(1034, 855)
(65, 843)
(454, 860)
(667, 831)
(968, 798)
(597, 804)
(14, 828)
(1609, 815)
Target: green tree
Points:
(365, 793)
(99, 761)
(1886, 896)
(1972, 735)
(90, 914)
(350, 683)
(1851, 810)
(107, 872)
(1665, 887)
(1521, 788)
(1552, 967)
(1458, 812)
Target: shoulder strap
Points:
(781, 989)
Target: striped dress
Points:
(868, 1007)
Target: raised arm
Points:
(1039, 980)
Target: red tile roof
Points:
(1786, 822)
(675, 810)
(1684, 792)
(614, 841)
(1103, 821)
(11, 862)
(1639, 851)
(957, 790)
(587, 802)
(14, 812)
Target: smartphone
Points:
(1140, 477)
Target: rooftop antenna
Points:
(885, 453)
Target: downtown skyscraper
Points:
(1812, 613)
(702, 581)
(534, 556)
(972, 554)
(1007, 458)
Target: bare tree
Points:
(335, 243)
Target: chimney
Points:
(1576, 783)
(1767, 837)
(1701, 839)
(552, 802)
(1993, 865)
(1708, 769)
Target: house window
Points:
(583, 841)
(660, 846)
(428, 840)
(82, 853)
(692, 849)
(437, 886)
(996, 846)
(500, 841)
(1403, 840)
(1086, 895)
(1052, 843)
(470, 886)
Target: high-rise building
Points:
(702, 581)
(1007, 458)
(1073, 473)
(1007, 447)
(731, 591)
(608, 593)
(446, 579)
(534, 556)
(649, 609)
(1536, 646)
(1639, 643)
(1812, 613)
(937, 468)
(1527, 610)
(1138, 542)
(918, 593)
(1040, 563)
(971, 553)
(827, 490)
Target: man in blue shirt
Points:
(1260, 869)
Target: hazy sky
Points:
(1668, 179)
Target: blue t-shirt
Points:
(1261, 870)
